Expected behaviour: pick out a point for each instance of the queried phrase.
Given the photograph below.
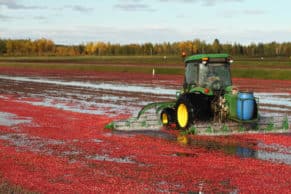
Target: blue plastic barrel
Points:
(245, 105)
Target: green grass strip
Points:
(263, 73)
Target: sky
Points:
(139, 21)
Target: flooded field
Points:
(97, 97)
(52, 130)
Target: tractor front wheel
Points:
(167, 116)
(184, 112)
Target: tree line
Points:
(46, 47)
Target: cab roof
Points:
(201, 56)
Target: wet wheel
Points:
(184, 112)
(167, 116)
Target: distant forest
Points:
(46, 47)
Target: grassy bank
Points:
(97, 68)
(272, 68)
(276, 74)
(171, 60)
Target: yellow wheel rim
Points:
(182, 115)
(165, 120)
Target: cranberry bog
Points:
(53, 138)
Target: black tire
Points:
(167, 116)
(184, 112)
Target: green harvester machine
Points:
(207, 97)
(208, 94)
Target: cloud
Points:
(254, 12)
(141, 5)
(79, 8)
(82, 34)
(215, 2)
(41, 18)
(179, 1)
(133, 6)
(204, 2)
(7, 18)
(207, 1)
(13, 4)
(233, 12)
(247, 36)
(4, 17)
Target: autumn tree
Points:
(216, 47)
(44, 46)
(2, 47)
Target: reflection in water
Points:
(245, 152)
(258, 150)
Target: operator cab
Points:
(208, 71)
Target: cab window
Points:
(191, 73)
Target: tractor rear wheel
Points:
(184, 112)
(167, 116)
